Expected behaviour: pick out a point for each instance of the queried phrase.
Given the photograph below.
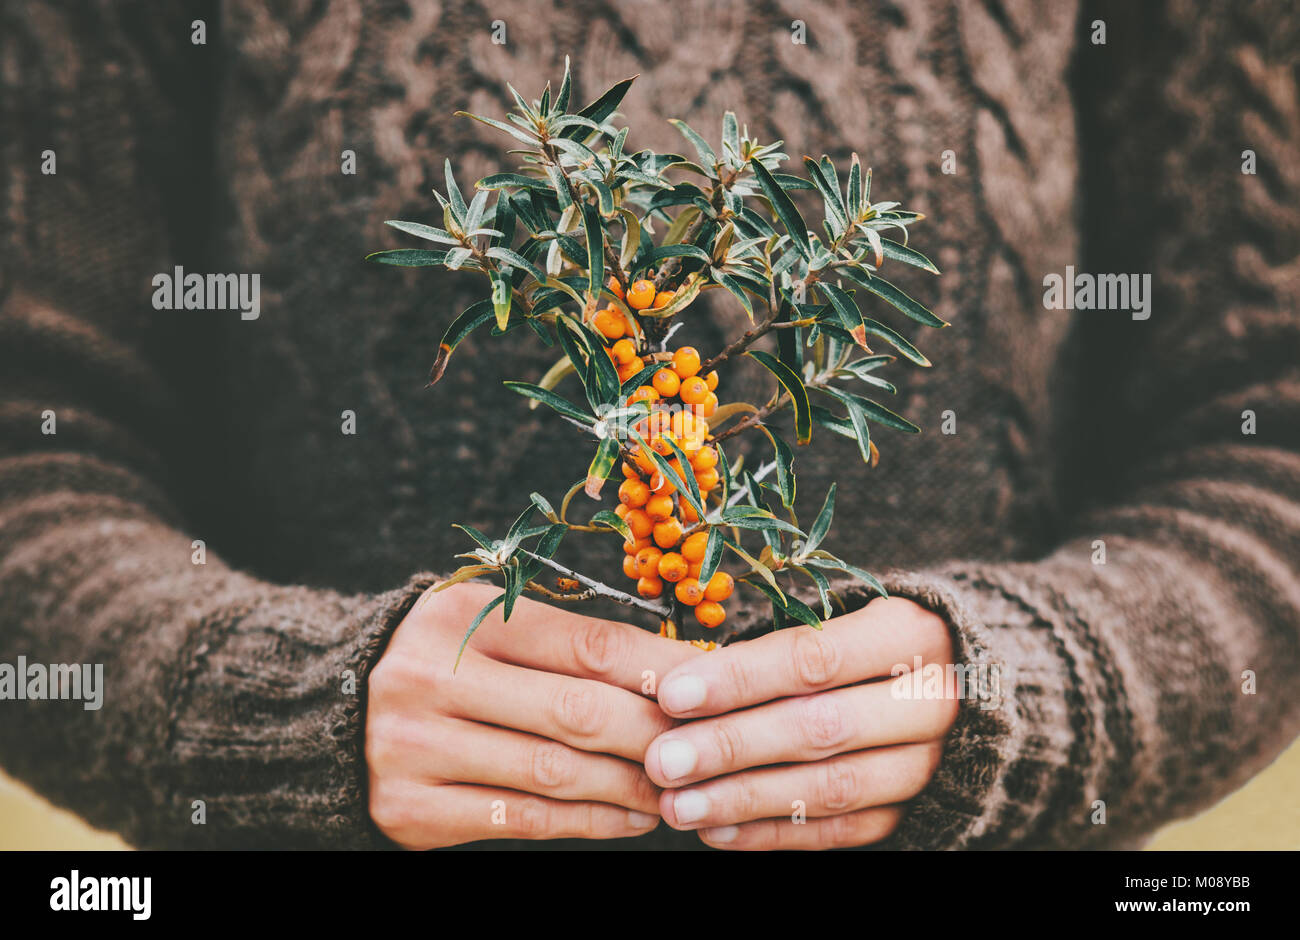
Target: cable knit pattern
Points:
(228, 682)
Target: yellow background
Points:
(1264, 814)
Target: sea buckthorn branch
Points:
(570, 248)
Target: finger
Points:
(830, 787)
(582, 713)
(865, 644)
(835, 832)
(808, 728)
(468, 752)
(546, 638)
(428, 817)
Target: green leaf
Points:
(823, 586)
(462, 326)
(602, 107)
(861, 433)
(712, 554)
(822, 524)
(602, 465)
(697, 501)
(474, 625)
(793, 384)
(541, 503)
(848, 312)
(599, 377)
(830, 194)
(462, 574)
(874, 411)
(785, 482)
(707, 156)
(611, 520)
(516, 260)
(836, 564)
(888, 292)
(595, 250)
(756, 518)
(566, 89)
(475, 534)
(762, 570)
(895, 339)
(424, 231)
(458, 207)
(691, 495)
(507, 180)
(731, 135)
(789, 605)
(784, 208)
(679, 251)
(855, 188)
(897, 252)
(551, 399)
(408, 257)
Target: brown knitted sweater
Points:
(225, 682)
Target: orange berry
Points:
(640, 295)
(629, 471)
(664, 298)
(614, 288)
(666, 382)
(661, 484)
(610, 323)
(639, 523)
(705, 458)
(624, 350)
(706, 479)
(693, 571)
(720, 587)
(659, 507)
(634, 546)
(660, 444)
(712, 381)
(645, 393)
(689, 591)
(621, 510)
(672, 567)
(652, 587)
(709, 613)
(629, 567)
(689, 515)
(630, 368)
(693, 547)
(693, 390)
(667, 533)
(686, 361)
(706, 408)
(633, 493)
(647, 562)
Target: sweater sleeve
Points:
(232, 709)
(1145, 666)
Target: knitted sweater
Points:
(228, 681)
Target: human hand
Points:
(785, 719)
(540, 734)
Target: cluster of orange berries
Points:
(680, 402)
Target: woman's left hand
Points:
(794, 746)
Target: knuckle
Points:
(842, 830)
(839, 786)
(728, 743)
(823, 724)
(581, 710)
(390, 813)
(599, 647)
(552, 766)
(817, 658)
(382, 749)
(534, 818)
(746, 801)
(738, 679)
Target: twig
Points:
(604, 590)
(758, 475)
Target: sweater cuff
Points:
(1013, 731)
(277, 754)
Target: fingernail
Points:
(641, 820)
(722, 834)
(690, 806)
(683, 693)
(677, 758)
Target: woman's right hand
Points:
(540, 734)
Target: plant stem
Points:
(604, 590)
